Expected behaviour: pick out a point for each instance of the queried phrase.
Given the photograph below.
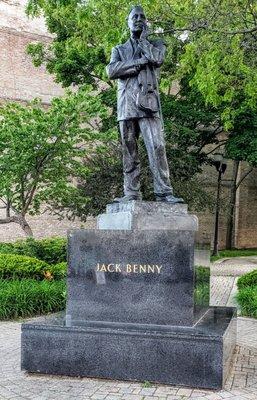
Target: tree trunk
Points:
(18, 219)
(232, 205)
(25, 226)
(8, 209)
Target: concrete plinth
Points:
(137, 215)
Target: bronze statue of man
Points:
(136, 65)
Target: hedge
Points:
(13, 266)
(56, 272)
(52, 250)
(247, 299)
(246, 280)
(27, 298)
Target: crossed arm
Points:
(123, 69)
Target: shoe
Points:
(169, 198)
(127, 198)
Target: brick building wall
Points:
(20, 80)
(43, 225)
(245, 235)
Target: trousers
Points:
(150, 129)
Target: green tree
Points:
(211, 50)
(218, 46)
(40, 154)
(241, 146)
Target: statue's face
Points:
(136, 20)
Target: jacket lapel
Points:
(127, 50)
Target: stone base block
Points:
(147, 215)
(139, 277)
(196, 356)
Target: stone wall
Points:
(245, 235)
(43, 225)
(20, 80)
(13, 16)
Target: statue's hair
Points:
(133, 8)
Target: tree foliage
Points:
(218, 47)
(211, 50)
(242, 143)
(41, 152)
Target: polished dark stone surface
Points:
(163, 295)
(130, 310)
(191, 356)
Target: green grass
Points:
(234, 253)
(247, 299)
(202, 295)
(202, 286)
(247, 280)
(27, 298)
(146, 384)
(247, 294)
(202, 274)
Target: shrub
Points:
(57, 271)
(22, 247)
(13, 266)
(27, 298)
(202, 274)
(247, 299)
(6, 248)
(202, 286)
(52, 250)
(246, 280)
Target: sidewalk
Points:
(224, 276)
(240, 385)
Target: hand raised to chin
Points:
(144, 33)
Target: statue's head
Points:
(136, 19)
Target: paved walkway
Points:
(240, 385)
(224, 276)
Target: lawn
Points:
(247, 294)
(234, 253)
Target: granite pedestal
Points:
(130, 309)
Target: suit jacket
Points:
(125, 66)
